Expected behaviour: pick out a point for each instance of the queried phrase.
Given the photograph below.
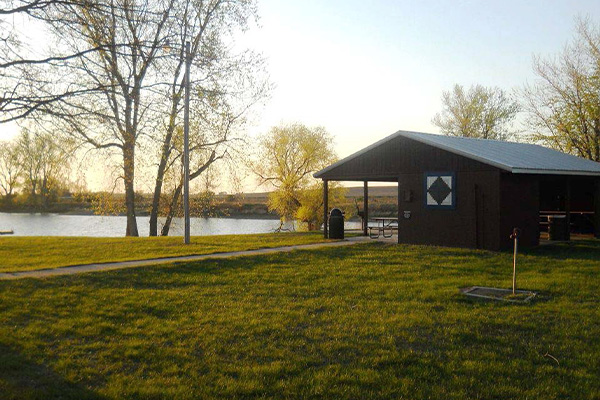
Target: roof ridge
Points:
(476, 138)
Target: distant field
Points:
(354, 191)
(370, 321)
(250, 205)
(31, 253)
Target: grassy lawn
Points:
(31, 253)
(366, 321)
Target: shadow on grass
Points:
(184, 274)
(22, 378)
(573, 250)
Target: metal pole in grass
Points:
(515, 237)
(186, 147)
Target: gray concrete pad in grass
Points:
(482, 292)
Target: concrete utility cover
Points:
(520, 296)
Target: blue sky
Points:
(364, 69)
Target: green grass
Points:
(360, 322)
(31, 253)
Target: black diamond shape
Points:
(439, 190)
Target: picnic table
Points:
(383, 224)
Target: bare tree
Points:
(564, 104)
(96, 94)
(226, 85)
(480, 112)
(11, 167)
(24, 90)
(113, 83)
(45, 158)
(28, 6)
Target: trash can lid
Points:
(336, 212)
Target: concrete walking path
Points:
(78, 269)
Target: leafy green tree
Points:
(310, 212)
(564, 104)
(288, 156)
(480, 112)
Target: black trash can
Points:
(557, 227)
(336, 224)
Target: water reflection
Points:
(114, 226)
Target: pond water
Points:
(107, 226)
(96, 225)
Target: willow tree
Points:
(479, 112)
(287, 157)
(564, 103)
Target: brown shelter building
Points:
(465, 192)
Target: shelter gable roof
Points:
(518, 158)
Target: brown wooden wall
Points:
(519, 208)
(401, 156)
(472, 223)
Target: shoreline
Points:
(84, 213)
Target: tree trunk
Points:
(129, 175)
(165, 152)
(33, 199)
(44, 193)
(174, 200)
(162, 167)
(156, 204)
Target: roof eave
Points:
(320, 173)
(554, 172)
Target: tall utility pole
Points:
(186, 146)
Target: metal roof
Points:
(518, 158)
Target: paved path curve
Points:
(78, 269)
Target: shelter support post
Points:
(186, 147)
(366, 208)
(597, 209)
(325, 208)
(399, 210)
(568, 207)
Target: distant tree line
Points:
(34, 170)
